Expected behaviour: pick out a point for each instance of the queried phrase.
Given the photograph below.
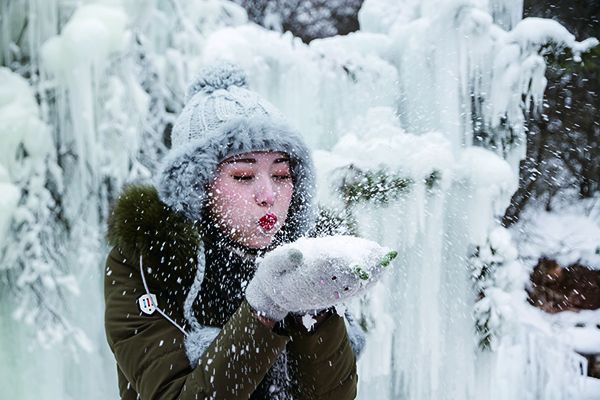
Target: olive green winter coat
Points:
(149, 350)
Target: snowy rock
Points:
(564, 237)
(585, 340)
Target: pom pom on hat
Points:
(217, 76)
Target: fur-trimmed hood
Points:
(222, 117)
(141, 224)
(187, 170)
(170, 247)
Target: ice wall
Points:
(316, 86)
(450, 136)
(105, 79)
(417, 118)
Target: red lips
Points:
(267, 221)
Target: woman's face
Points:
(250, 196)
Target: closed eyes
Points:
(246, 178)
(243, 177)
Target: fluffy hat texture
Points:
(222, 118)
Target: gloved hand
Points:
(315, 273)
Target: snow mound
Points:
(92, 34)
(566, 238)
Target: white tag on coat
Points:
(147, 303)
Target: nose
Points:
(264, 194)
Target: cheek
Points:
(227, 200)
(285, 193)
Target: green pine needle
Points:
(362, 274)
(387, 259)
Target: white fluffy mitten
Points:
(315, 273)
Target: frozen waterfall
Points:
(417, 125)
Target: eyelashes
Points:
(248, 178)
(242, 177)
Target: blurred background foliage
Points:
(563, 152)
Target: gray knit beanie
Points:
(221, 118)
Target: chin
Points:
(259, 244)
(261, 239)
(256, 238)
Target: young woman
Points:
(188, 313)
